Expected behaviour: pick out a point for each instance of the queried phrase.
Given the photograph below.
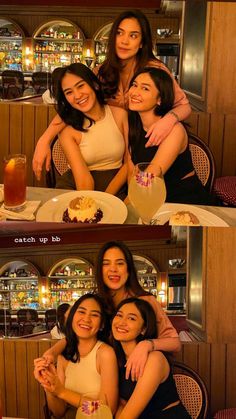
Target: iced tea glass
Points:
(14, 179)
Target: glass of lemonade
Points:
(14, 179)
(147, 190)
(94, 407)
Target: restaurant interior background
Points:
(203, 33)
(205, 51)
(54, 259)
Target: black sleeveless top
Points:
(165, 394)
(181, 167)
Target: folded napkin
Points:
(27, 214)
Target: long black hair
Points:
(71, 351)
(132, 284)
(165, 86)
(109, 72)
(150, 325)
(68, 114)
(61, 311)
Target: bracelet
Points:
(153, 346)
(175, 115)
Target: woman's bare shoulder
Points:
(71, 132)
(105, 350)
(119, 112)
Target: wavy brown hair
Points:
(109, 72)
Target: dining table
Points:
(224, 216)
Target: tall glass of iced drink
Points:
(14, 179)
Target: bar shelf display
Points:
(19, 285)
(147, 273)
(56, 44)
(69, 279)
(100, 43)
(11, 39)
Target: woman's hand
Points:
(42, 154)
(137, 360)
(160, 130)
(52, 383)
(40, 367)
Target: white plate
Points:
(206, 218)
(114, 210)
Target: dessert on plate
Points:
(184, 218)
(82, 209)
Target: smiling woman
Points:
(90, 123)
(87, 364)
(154, 394)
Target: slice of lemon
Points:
(10, 165)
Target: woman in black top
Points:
(154, 394)
(151, 96)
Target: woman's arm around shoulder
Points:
(181, 110)
(121, 119)
(107, 367)
(42, 153)
(155, 372)
(168, 340)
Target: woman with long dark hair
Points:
(154, 394)
(87, 365)
(129, 49)
(151, 96)
(117, 280)
(94, 139)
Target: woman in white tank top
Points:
(87, 364)
(95, 138)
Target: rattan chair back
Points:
(192, 391)
(59, 164)
(203, 161)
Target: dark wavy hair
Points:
(150, 325)
(165, 86)
(61, 311)
(68, 114)
(109, 72)
(132, 284)
(71, 351)
(55, 81)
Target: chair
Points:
(50, 318)
(203, 161)
(5, 321)
(59, 164)
(192, 390)
(12, 84)
(41, 81)
(225, 190)
(226, 414)
(27, 319)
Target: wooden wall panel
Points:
(10, 378)
(229, 146)
(218, 376)
(216, 139)
(88, 19)
(231, 375)
(2, 376)
(4, 134)
(28, 138)
(203, 126)
(23, 124)
(21, 385)
(15, 128)
(216, 363)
